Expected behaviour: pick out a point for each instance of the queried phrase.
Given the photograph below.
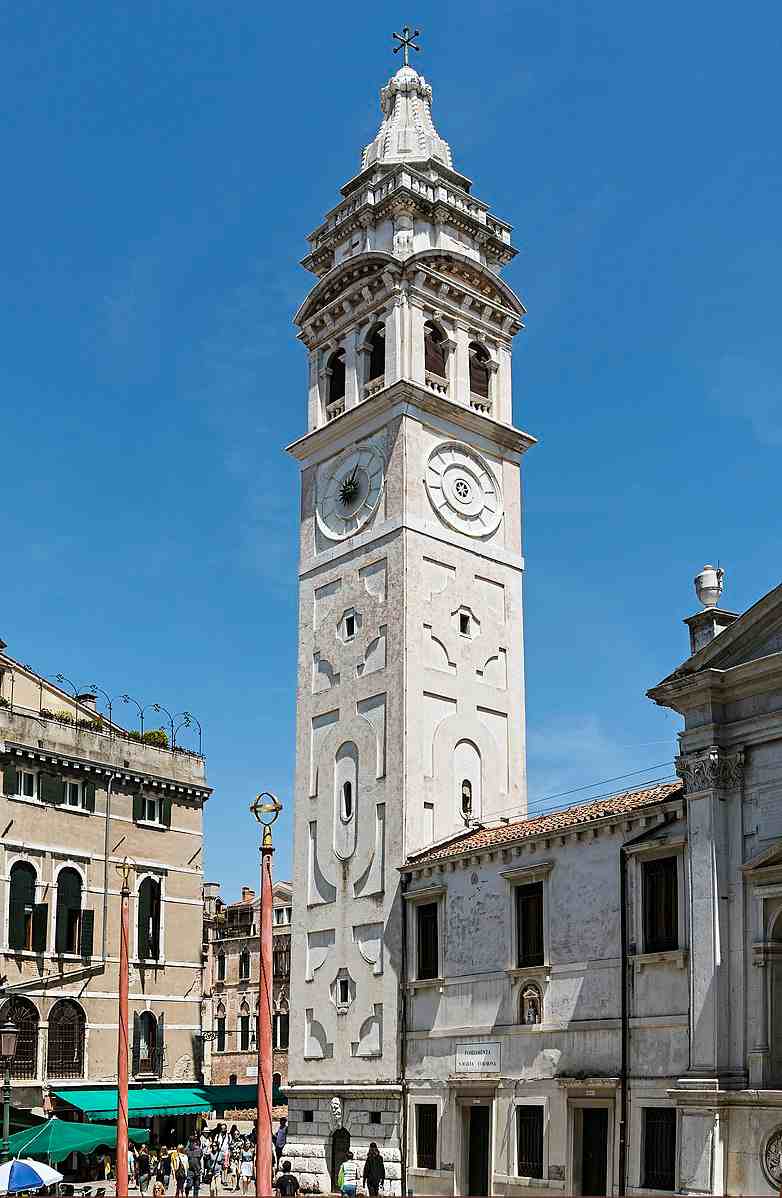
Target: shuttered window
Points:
(426, 1135)
(529, 1141)
(220, 1041)
(281, 1029)
(21, 906)
(149, 920)
(529, 924)
(244, 965)
(428, 957)
(244, 1032)
(67, 934)
(661, 905)
(282, 960)
(479, 371)
(659, 1148)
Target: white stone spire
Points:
(407, 133)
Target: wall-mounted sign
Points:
(478, 1057)
(252, 1070)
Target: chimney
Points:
(88, 700)
(247, 894)
(710, 622)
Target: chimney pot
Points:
(247, 894)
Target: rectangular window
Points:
(244, 966)
(344, 991)
(26, 784)
(151, 810)
(426, 1135)
(660, 904)
(428, 955)
(244, 1033)
(529, 924)
(308, 1116)
(529, 1141)
(73, 794)
(281, 1030)
(220, 1041)
(659, 1148)
(374, 1117)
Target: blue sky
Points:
(163, 164)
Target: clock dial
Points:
(349, 492)
(463, 490)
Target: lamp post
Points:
(122, 1036)
(9, 1038)
(266, 807)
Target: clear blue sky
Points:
(162, 165)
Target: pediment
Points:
(754, 635)
(358, 271)
(765, 862)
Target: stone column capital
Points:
(712, 769)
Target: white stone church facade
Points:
(576, 1002)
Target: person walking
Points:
(164, 1168)
(210, 1170)
(286, 1183)
(143, 1169)
(281, 1139)
(179, 1170)
(374, 1170)
(131, 1165)
(246, 1163)
(194, 1159)
(348, 1177)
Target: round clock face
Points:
(350, 493)
(462, 490)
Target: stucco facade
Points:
(78, 798)
(231, 987)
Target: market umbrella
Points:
(57, 1138)
(26, 1175)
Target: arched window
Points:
(65, 1047)
(221, 966)
(280, 1027)
(281, 958)
(149, 920)
(232, 1079)
(244, 965)
(531, 1005)
(435, 352)
(220, 1029)
(26, 919)
(466, 798)
(22, 1012)
(336, 377)
(377, 353)
(67, 930)
(244, 1027)
(479, 370)
(347, 800)
(147, 1043)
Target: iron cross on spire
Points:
(406, 42)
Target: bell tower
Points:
(410, 699)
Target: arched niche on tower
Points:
(346, 797)
(464, 743)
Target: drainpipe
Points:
(106, 842)
(625, 980)
(403, 1044)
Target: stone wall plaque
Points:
(478, 1057)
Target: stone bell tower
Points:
(410, 668)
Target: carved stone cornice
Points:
(714, 769)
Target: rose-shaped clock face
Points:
(463, 490)
(349, 492)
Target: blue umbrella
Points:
(26, 1175)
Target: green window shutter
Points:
(138, 807)
(165, 811)
(16, 923)
(154, 935)
(89, 796)
(40, 927)
(136, 1054)
(52, 789)
(143, 916)
(9, 778)
(160, 1044)
(87, 933)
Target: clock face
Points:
(463, 490)
(349, 494)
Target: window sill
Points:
(419, 1171)
(157, 962)
(27, 801)
(674, 956)
(519, 972)
(427, 983)
(151, 823)
(72, 810)
(532, 1183)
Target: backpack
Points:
(181, 1171)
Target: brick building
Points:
(231, 987)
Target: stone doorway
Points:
(340, 1147)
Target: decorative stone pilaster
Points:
(714, 769)
(759, 1055)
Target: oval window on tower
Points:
(345, 799)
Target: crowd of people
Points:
(214, 1162)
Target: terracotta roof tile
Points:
(554, 821)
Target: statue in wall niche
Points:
(336, 1112)
(531, 1005)
(771, 1158)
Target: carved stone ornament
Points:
(336, 1113)
(771, 1158)
(713, 770)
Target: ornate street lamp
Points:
(266, 807)
(9, 1038)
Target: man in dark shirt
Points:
(286, 1183)
(194, 1156)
